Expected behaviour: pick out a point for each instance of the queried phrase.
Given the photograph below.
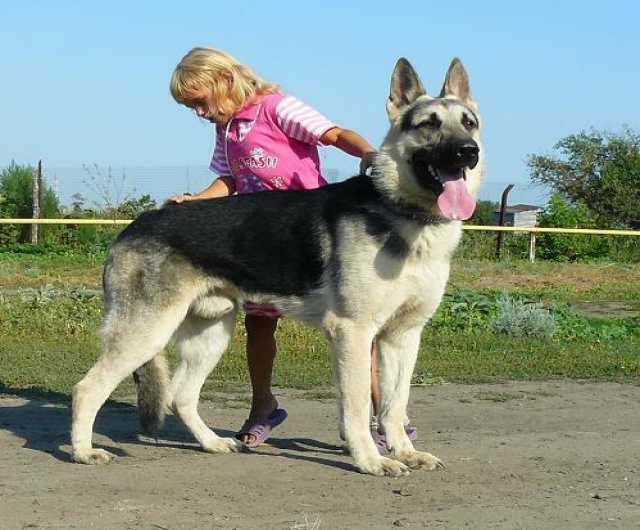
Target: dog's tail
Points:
(152, 382)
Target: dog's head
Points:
(432, 157)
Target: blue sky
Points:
(87, 82)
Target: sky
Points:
(85, 83)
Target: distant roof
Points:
(521, 208)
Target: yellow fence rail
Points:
(540, 229)
(532, 231)
(65, 221)
(535, 229)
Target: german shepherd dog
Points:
(364, 259)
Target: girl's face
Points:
(203, 104)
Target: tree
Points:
(600, 169)
(16, 191)
(77, 204)
(132, 208)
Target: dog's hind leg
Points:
(128, 343)
(398, 350)
(201, 342)
(352, 358)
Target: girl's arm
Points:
(221, 187)
(302, 122)
(351, 143)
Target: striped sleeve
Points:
(300, 121)
(219, 159)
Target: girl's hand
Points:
(177, 199)
(366, 162)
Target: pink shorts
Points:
(261, 310)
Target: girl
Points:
(265, 141)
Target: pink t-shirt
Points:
(271, 145)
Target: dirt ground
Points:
(557, 455)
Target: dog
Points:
(364, 259)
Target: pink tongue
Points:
(455, 202)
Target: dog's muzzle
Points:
(442, 169)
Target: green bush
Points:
(624, 249)
(480, 245)
(520, 318)
(464, 311)
(84, 238)
(560, 247)
(571, 326)
(484, 213)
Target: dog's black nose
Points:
(468, 150)
(467, 154)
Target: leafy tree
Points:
(16, 192)
(16, 188)
(8, 233)
(77, 204)
(599, 169)
(132, 208)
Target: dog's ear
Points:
(406, 87)
(457, 83)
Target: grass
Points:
(558, 281)
(617, 281)
(49, 340)
(27, 270)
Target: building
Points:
(523, 215)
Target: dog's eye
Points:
(468, 123)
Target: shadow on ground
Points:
(43, 421)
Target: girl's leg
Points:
(261, 352)
(375, 384)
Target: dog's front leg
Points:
(352, 351)
(398, 351)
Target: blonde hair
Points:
(232, 84)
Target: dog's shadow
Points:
(298, 449)
(43, 421)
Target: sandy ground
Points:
(557, 455)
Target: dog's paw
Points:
(92, 456)
(383, 467)
(420, 460)
(223, 445)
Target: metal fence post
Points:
(503, 207)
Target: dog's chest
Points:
(425, 268)
(422, 276)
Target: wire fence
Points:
(87, 182)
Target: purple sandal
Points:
(381, 441)
(260, 428)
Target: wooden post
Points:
(503, 207)
(37, 200)
(532, 247)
